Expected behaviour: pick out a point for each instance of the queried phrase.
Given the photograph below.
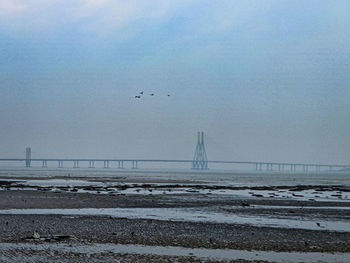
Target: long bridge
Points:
(199, 162)
(135, 164)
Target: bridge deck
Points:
(258, 165)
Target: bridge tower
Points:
(28, 156)
(200, 160)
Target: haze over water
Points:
(265, 80)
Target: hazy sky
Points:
(265, 80)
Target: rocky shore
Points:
(150, 230)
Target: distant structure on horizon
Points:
(200, 160)
(28, 156)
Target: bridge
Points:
(199, 162)
(135, 164)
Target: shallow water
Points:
(196, 215)
(201, 253)
(99, 186)
(254, 178)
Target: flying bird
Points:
(141, 92)
(137, 97)
(152, 94)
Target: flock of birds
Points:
(142, 93)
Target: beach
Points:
(173, 216)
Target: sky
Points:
(265, 80)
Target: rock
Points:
(36, 235)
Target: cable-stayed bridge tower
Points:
(200, 160)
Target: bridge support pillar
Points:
(91, 164)
(268, 166)
(120, 164)
(76, 164)
(106, 164)
(305, 168)
(44, 163)
(134, 164)
(60, 164)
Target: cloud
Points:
(109, 15)
(96, 15)
(10, 7)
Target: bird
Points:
(141, 92)
(168, 95)
(152, 94)
(137, 97)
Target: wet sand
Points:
(152, 230)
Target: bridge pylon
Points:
(200, 161)
(28, 156)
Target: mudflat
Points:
(77, 211)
